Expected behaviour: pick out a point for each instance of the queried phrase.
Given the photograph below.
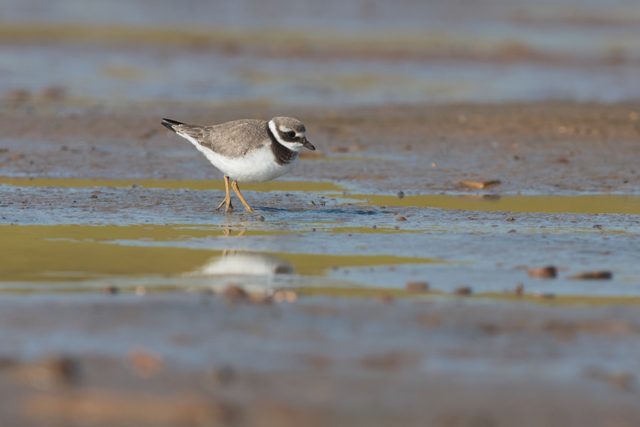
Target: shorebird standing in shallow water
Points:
(247, 150)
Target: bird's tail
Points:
(169, 124)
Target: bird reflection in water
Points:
(244, 263)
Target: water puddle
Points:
(584, 204)
(76, 253)
(71, 258)
(333, 244)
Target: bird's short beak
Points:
(308, 144)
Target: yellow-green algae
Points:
(170, 184)
(74, 253)
(587, 204)
(232, 39)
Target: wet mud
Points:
(201, 359)
(461, 250)
(404, 258)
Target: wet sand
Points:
(462, 249)
(546, 148)
(199, 359)
(131, 310)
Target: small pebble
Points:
(480, 185)
(593, 275)
(53, 93)
(374, 226)
(235, 291)
(415, 286)
(285, 295)
(224, 375)
(53, 371)
(511, 218)
(598, 227)
(401, 218)
(260, 298)
(549, 272)
(400, 194)
(463, 290)
(144, 362)
(260, 218)
(110, 290)
(385, 299)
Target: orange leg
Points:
(236, 188)
(227, 199)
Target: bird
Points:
(247, 150)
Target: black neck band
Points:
(283, 155)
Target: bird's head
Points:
(290, 132)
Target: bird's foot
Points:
(226, 200)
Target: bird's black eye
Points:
(291, 134)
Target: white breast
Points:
(256, 166)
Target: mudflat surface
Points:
(130, 301)
(461, 250)
(542, 148)
(175, 359)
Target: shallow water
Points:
(94, 77)
(486, 242)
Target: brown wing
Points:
(231, 139)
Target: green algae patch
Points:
(585, 204)
(318, 265)
(73, 253)
(170, 184)
(76, 253)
